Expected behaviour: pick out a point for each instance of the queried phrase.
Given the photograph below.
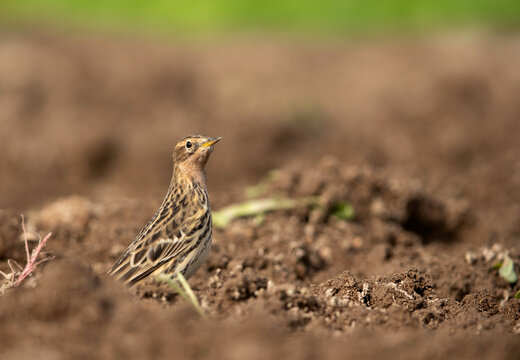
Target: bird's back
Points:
(176, 239)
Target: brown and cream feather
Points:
(178, 237)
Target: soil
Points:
(419, 136)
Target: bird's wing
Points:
(162, 239)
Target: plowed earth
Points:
(420, 137)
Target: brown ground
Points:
(420, 136)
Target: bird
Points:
(177, 239)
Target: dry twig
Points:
(17, 277)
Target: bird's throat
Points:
(191, 172)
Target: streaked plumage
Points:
(178, 237)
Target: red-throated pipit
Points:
(178, 237)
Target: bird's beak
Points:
(211, 142)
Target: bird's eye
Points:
(188, 144)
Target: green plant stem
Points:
(183, 289)
(223, 217)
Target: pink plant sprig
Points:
(32, 262)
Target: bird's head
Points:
(191, 154)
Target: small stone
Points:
(357, 242)
(326, 253)
(470, 257)
(377, 208)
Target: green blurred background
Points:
(292, 16)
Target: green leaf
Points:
(343, 211)
(507, 270)
(517, 295)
